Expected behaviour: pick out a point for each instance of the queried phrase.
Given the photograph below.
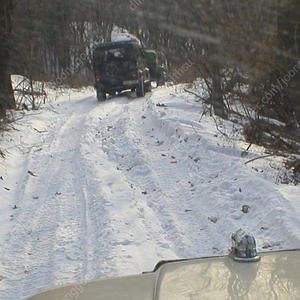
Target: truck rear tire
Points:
(148, 87)
(140, 90)
(101, 96)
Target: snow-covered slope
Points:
(91, 189)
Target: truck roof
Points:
(109, 45)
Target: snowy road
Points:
(95, 189)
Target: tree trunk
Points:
(287, 64)
(6, 95)
(217, 95)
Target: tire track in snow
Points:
(170, 185)
(128, 147)
(133, 222)
(48, 243)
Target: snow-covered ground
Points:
(91, 190)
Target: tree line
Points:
(244, 52)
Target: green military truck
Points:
(120, 66)
(157, 66)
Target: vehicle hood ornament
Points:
(243, 246)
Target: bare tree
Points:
(6, 94)
(286, 67)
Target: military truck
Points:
(120, 66)
(157, 66)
